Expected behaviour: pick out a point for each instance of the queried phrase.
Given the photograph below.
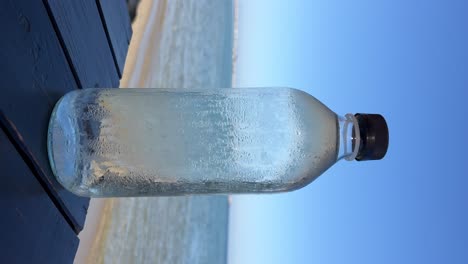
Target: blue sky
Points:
(407, 60)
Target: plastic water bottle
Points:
(157, 142)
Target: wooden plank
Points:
(82, 33)
(72, 207)
(34, 75)
(114, 15)
(33, 229)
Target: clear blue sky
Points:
(407, 60)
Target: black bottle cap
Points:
(374, 137)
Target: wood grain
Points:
(81, 30)
(34, 75)
(34, 230)
(114, 15)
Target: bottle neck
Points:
(349, 137)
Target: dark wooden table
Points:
(47, 48)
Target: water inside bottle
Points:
(140, 142)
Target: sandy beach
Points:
(93, 228)
(174, 44)
(95, 225)
(145, 40)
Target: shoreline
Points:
(90, 230)
(95, 227)
(147, 36)
(144, 38)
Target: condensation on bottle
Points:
(161, 142)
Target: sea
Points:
(175, 44)
(164, 230)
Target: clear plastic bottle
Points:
(155, 142)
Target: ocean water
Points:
(165, 230)
(185, 44)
